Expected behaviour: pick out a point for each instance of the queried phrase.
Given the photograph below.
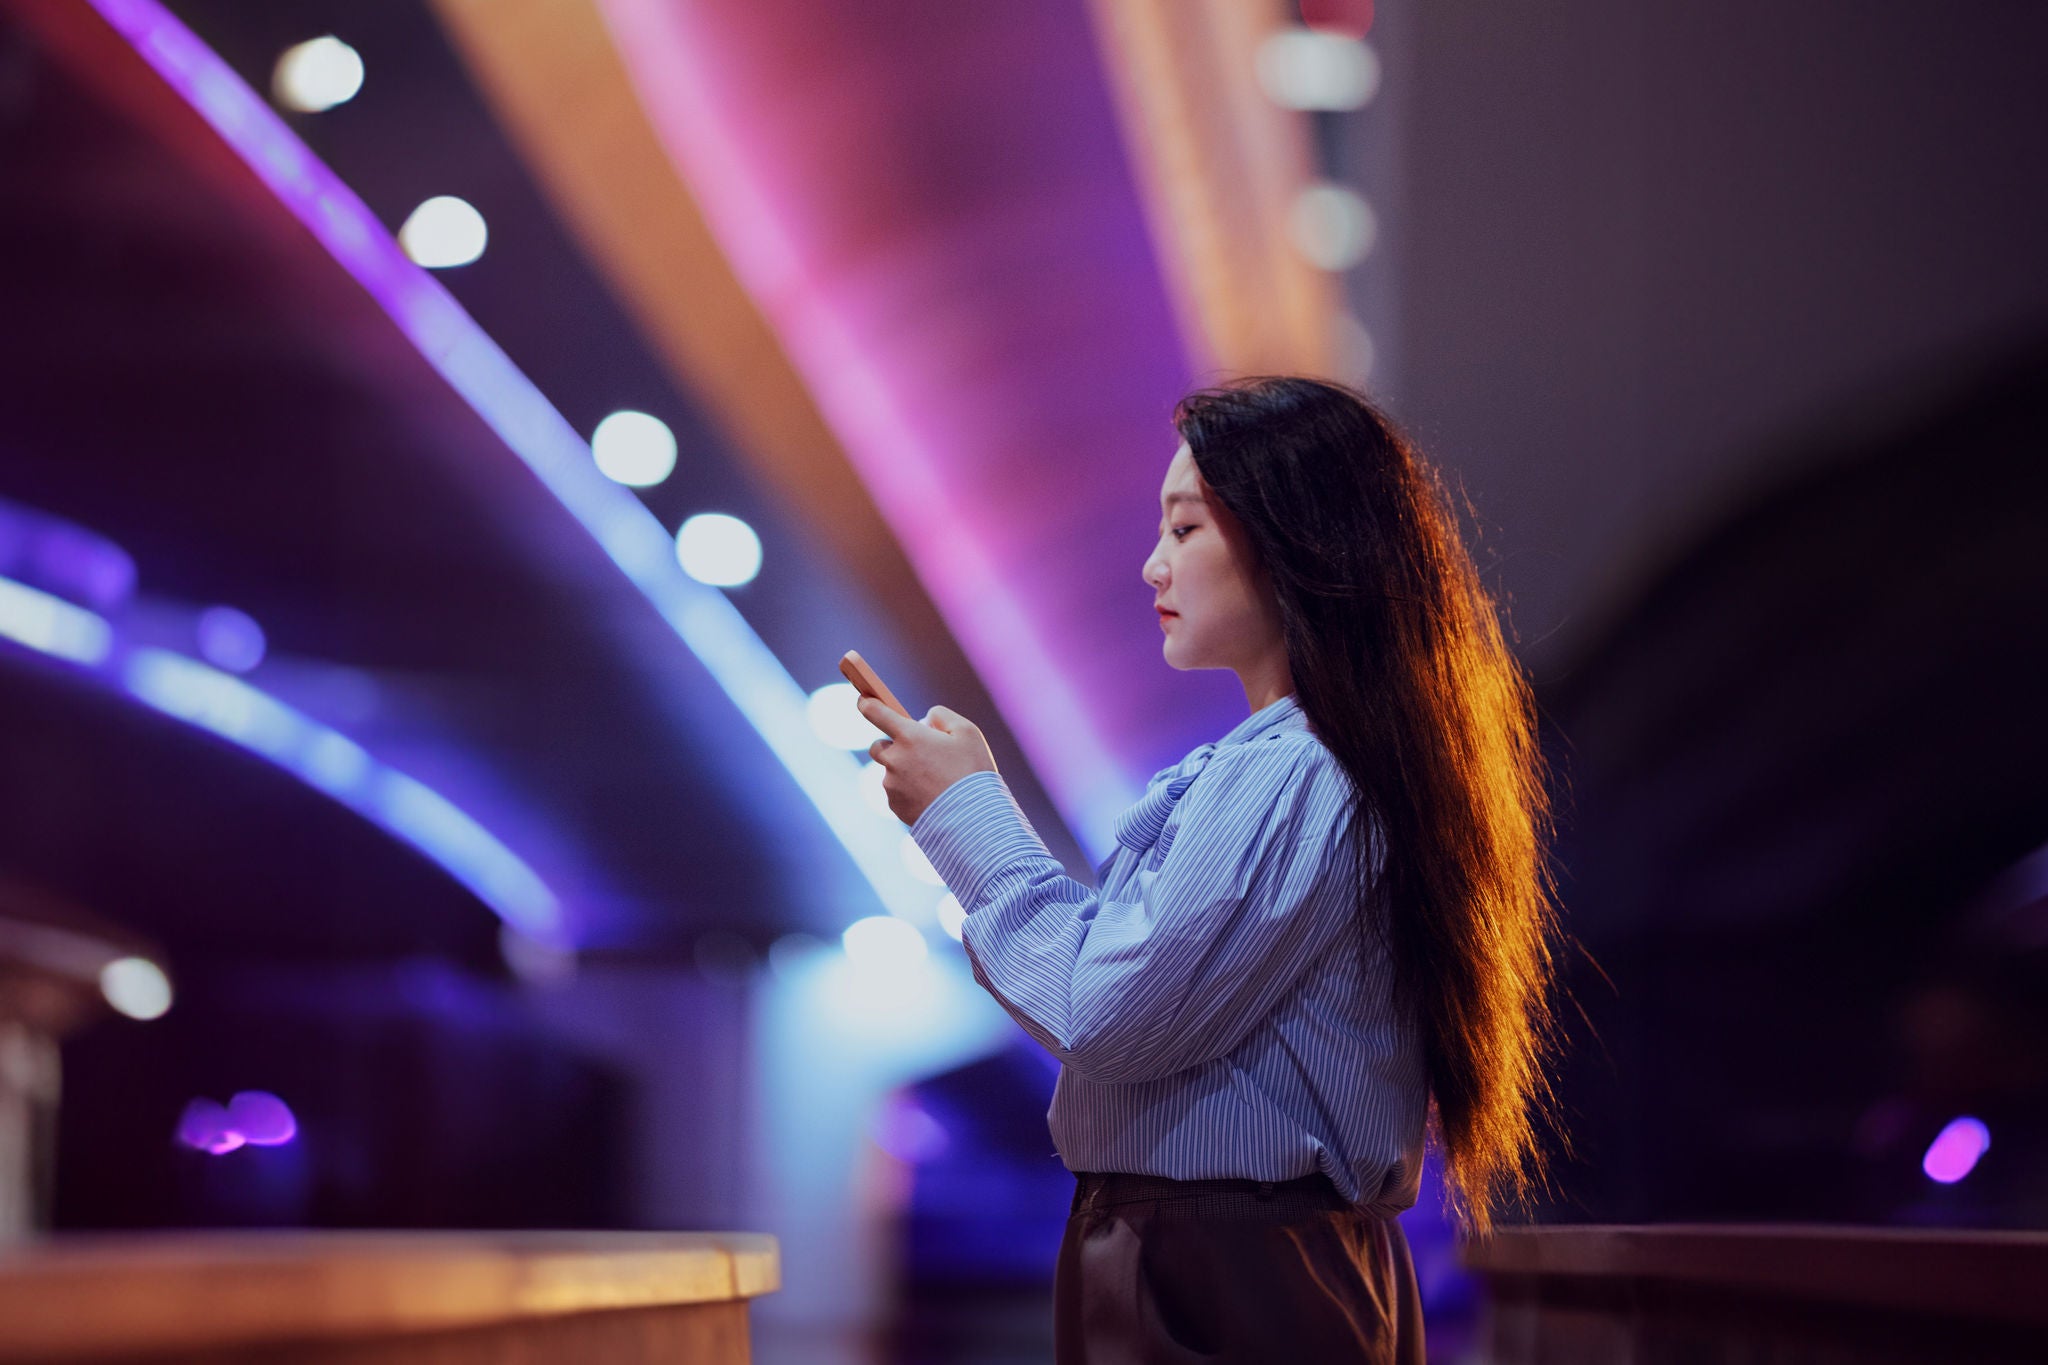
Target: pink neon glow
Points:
(1954, 1152)
(898, 463)
(253, 1118)
(262, 1118)
(205, 1125)
(988, 318)
(476, 368)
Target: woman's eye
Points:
(1178, 530)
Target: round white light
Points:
(717, 549)
(837, 721)
(952, 915)
(883, 941)
(136, 987)
(872, 775)
(317, 75)
(917, 864)
(1306, 68)
(230, 639)
(1331, 226)
(443, 232)
(634, 449)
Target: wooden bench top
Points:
(78, 1296)
(1992, 1275)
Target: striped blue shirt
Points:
(1209, 1003)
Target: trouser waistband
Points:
(1207, 1198)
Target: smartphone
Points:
(868, 682)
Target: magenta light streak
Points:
(984, 609)
(1954, 1152)
(936, 404)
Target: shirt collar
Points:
(1285, 713)
(1140, 827)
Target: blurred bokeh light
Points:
(834, 714)
(1956, 1149)
(444, 232)
(1332, 226)
(230, 639)
(872, 776)
(1302, 68)
(634, 448)
(883, 944)
(317, 75)
(136, 987)
(718, 549)
(952, 915)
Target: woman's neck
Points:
(1267, 683)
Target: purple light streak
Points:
(477, 369)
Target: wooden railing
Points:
(351, 1298)
(1762, 1293)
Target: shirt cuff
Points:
(974, 832)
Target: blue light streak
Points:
(221, 703)
(476, 368)
(211, 699)
(53, 626)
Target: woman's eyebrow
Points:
(1172, 498)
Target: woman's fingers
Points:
(947, 719)
(884, 717)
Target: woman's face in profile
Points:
(1200, 569)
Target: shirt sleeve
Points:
(1181, 965)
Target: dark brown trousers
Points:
(1170, 1272)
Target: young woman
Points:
(1319, 938)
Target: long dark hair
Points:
(1400, 667)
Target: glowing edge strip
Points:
(450, 340)
(896, 461)
(218, 702)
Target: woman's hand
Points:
(923, 758)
